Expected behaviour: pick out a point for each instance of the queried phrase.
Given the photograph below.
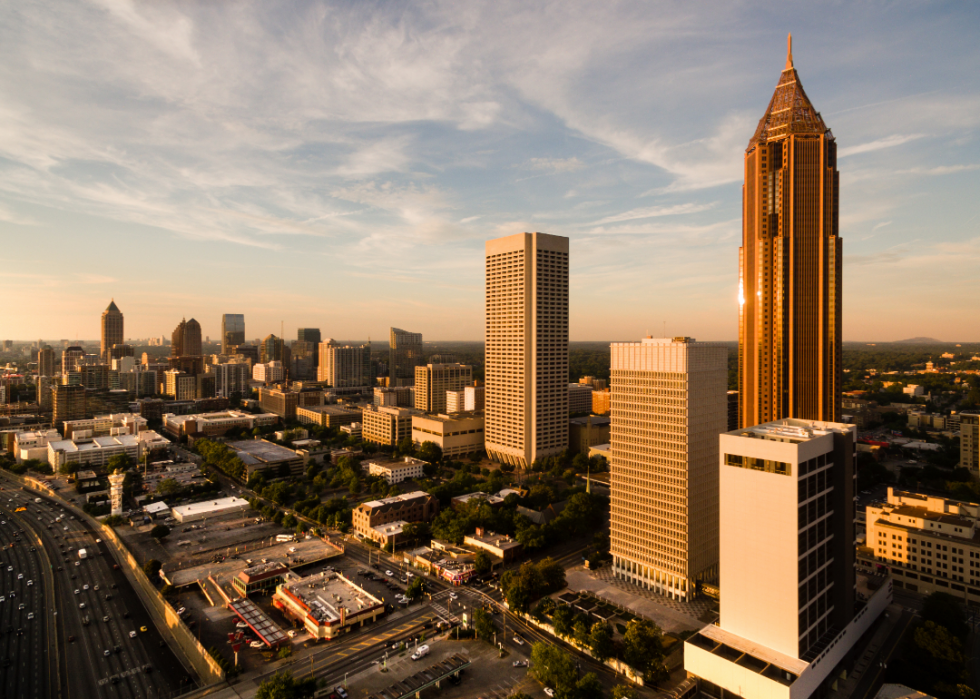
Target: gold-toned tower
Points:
(112, 330)
(789, 322)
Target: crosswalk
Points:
(443, 613)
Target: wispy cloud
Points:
(656, 212)
(555, 165)
(878, 144)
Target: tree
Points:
(483, 562)
(600, 641)
(553, 667)
(643, 647)
(562, 620)
(622, 691)
(152, 568)
(552, 575)
(589, 687)
(414, 588)
(119, 461)
(160, 531)
(282, 685)
(945, 610)
(168, 487)
(483, 623)
(580, 632)
(431, 452)
(354, 485)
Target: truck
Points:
(420, 652)
(286, 537)
(82, 553)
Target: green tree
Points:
(414, 588)
(589, 687)
(168, 487)
(552, 575)
(431, 452)
(152, 568)
(623, 691)
(643, 647)
(354, 485)
(553, 667)
(282, 685)
(160, 531)
(483, 623)
(119, 461)
(600, 641)
(562, 620)
(483, 562)
(945, 610)
(580, 632)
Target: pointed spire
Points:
(789, 52)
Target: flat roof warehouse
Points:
(208, 508)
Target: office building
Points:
(269, 372)
(579, 398)
(460, 433)
(261, 456)
(668, 408)
(112, 330)
(395, 470)
(284, 403)
(328, 415)
(215, 424)
(370, 519)
(586, 432)
(732, 410)
(928, 542)
(386, 425)
(401, 397)
(433, 380)
(110, 425)
(98, 450)
(43, 388)
(789, 613)
(600, 402)
(231, 379)
(272, 349)
(186, 339)
(303, 358)
(790, 264)
(180, 385)
(311, 335)
(70, 359)
(404, 354)
(232, 331)
(455, 401)
(46, 365)
(526, 347)
(970, 441)
(344, 366)
(349, 607)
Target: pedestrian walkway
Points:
(443, 613)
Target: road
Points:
(94, 654)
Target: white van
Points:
(420, 652)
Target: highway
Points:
(92, 651)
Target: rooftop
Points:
(793, 430)
(257, 451)
(407, 462)
(396, 499)
(324, 594)
(209, 506)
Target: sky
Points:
(341, 164)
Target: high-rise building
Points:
(46, 361)
(668, 407)
(790, 264)
(112, 329)
(526, 347)
(404, 355)
(186, 339)
(232, 331)
(789, 614)
(272, 349)
(970, 441)
(119, 351)
(231, 379)
(68, 403)
(433, 380)
(71, 357)
(309, 335)
(344, 366)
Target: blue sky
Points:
(340, 165)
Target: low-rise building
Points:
(587, 432)
(100, 449)
(394, 397)
(215, 424)
(455, 434)
(929, 543)
(386, 425)
(263, 456)
(394, 470)
(410, 507)
(913, 390)
(328, 415)
(208, 508)
(103, 425)
(501, 546)
(600, 402)
(353, 452)
(354, 430)
(34, 445)
(327, 604)
(262, 576)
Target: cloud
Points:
(657, 211)
(555, 165)
(887, 142)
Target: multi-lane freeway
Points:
(82, 631)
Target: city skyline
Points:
(625, 135)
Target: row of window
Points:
(756, 464)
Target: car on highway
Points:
(85, 586)
(2, 598)
(518, 640)
(453, 595)
(132, 634)
(96, 588)
(81, 606)
(30, 583)
(181, 611)
(106, 653)
(106, 618)
(143, 629)
(30, 615)
(20, 576)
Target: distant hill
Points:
(919, 341)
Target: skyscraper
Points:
(271, 349)
(526, 347)
(232, 331)
(790, 264)
(433, 380)
(186, 339)
(668, 406)
(112, 329)
(308, 335)
(45, 361)
(70, 358)
(404, 355)
(344, 367)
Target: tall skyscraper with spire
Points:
(790, 264)
(112, 330)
